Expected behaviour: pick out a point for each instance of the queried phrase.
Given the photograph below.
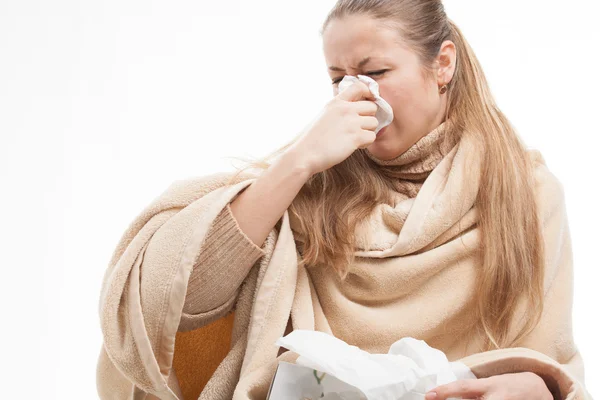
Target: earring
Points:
(443, 89)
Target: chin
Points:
(383, 151)
(382, 154)
(388, 145)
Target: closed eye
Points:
(380, 72)
(375, 73)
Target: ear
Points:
(446, 62)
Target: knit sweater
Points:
(185, 263)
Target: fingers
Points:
(365, 139)
(365, 107)
(462, 389)
(369, 123)
(357, 91)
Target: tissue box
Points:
(297, 382)
(409, 369)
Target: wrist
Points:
(297, 164)
(541, 385)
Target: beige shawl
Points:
(414, 277)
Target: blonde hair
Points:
(331, 203)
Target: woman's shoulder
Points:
(207, 183)
(182, 192)
(549, 190)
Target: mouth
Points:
(381, 132)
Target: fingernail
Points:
(431, 396)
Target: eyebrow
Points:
(360, 65)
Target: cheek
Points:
(403, 99)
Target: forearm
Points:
(258, 208)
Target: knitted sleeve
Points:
(223, 262)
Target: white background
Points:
(103, 104)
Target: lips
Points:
(381, 132)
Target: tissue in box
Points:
(296, 382)
(407, 372)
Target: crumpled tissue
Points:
(409, 370)
(384, 113)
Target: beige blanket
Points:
(143, 292)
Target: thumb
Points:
(355, 92)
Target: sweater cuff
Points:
(225, 258)
(226, 230)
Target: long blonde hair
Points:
(331, 203)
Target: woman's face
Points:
(417, 104)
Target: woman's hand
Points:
(518, 386)
(346, 123)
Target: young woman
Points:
(443, 227)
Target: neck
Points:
(410, 169)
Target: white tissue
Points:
(384, 113)
(409, 370)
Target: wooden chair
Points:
(198, 353)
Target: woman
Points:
(441, 227)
